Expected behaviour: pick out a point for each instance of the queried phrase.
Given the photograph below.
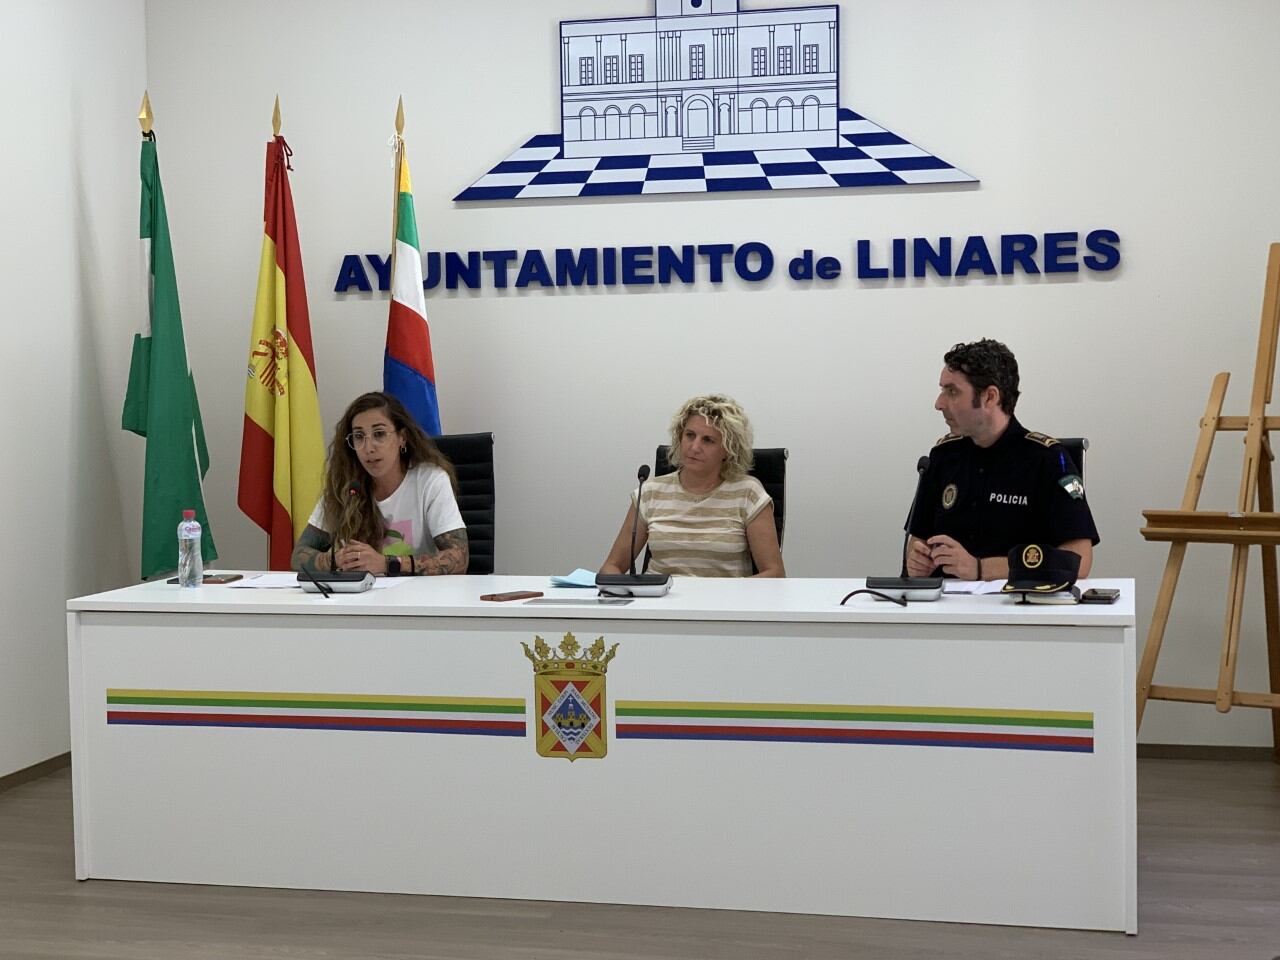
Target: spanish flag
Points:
(282, 453)
(408, 373)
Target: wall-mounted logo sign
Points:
(703, 97)
(1053, 252)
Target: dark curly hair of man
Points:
(987, 363)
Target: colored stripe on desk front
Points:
(1054, 730)
(472, 716)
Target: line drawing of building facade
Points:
(700, 76)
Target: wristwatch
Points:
(393, 566)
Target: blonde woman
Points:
(708, 518)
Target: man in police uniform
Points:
(991, 484)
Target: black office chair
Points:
(769, 466)
(472, 457)
(1076, 446)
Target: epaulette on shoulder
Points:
(947, 439)
(1042, 438)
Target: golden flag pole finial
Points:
(275, 118)
(145, 116)
(395, 187)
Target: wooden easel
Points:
(1243, 528)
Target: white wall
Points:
(74, 72)
(1146, 117)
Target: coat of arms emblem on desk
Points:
(568, 689)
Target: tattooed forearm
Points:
(453, 555)
(312, 549)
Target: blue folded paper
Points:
(579, 578)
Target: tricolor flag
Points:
(407, 371)
(282, 453)
(160, 403)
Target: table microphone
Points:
(642, 475)
(632, 584)
(921, 466)
(354, 491)
(324, 590)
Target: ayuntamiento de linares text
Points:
(901, 257)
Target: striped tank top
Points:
(700, 534)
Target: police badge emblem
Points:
(568, 690)
(1032, 556)
(949, 493)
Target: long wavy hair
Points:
(349, 504)
(730, 419)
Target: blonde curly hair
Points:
(730, 419)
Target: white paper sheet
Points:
(977, 588)
(285, 581)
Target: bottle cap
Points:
(188, 514)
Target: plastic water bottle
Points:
(190, 564)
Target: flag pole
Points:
(395, 187)
(145, 118)
(275, 118)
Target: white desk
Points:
(965, 760)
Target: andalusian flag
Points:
(407, 371)
(161, 400)
(282, 453)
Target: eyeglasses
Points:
(358, 438)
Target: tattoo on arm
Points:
(453, 557)
(312, 549)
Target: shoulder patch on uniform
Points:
(1042, 438)
(947, 439)
(1073, 485)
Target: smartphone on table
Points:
(512, 595)
(215, 578)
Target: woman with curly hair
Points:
(388, 505)
(708, 518)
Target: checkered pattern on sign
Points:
(869, 156)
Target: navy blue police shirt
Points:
(1024, 488)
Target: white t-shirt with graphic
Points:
(422, 508)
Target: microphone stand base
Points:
(634, 584)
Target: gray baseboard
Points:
(1192, 751)
(35, 771)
